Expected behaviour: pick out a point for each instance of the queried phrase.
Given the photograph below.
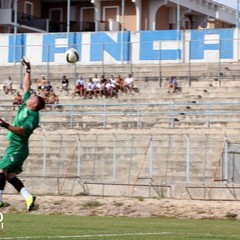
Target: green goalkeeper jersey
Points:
(26, 118)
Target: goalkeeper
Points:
(26, 120)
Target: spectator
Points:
(48, 88)
(64, 83)
(128, 84)
(91, 88)
(17, 100)
(41, 84)
(103, 79)
(99, 89)
(172, 84)
(113, 85)
(96, 79)
(45, 97)
(7, 85)
(109, 89)
(80, 88)
(53, 98)
(112, 79)
(120, 83)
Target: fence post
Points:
(114, 159)
(103, 70)
(71, 119)
(219, 64)
(48, 52)
(79, 156)
(225, 161)
(139, 125)
(44, 154)
(189, 64)
(131, 58)
(159, 66)
(173, 114)
(208, 115)
(104, 115)
(188, 159)
(150, 158)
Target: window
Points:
(56, 18)
(28, 8)
(111, 13)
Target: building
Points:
(21, 16)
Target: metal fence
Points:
(129, 158)
(69, 161)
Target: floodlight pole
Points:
(122, 29)
(15, 28)
(237, 27)
(68, 19)
(237, 14)
(178, 26)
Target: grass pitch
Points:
(31, 226)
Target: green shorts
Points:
(13, 158)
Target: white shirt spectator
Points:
(128, 83)
(7, 85)
(100, 86)
(96, 79)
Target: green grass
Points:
(31, 226)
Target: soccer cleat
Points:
(26, 62)
(30, 202)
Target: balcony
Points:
(25, 22)
(74, 26)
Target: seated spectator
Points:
(45, 96)
(100, 89)
(114, 84)
(120, 83)
(48, 88)
(96, 79)
(172, 84)
(53, 98)
(109, 89)
(91, 88)
(17, 100)
(103, 79)
(80, 88)
(64, 86)
(112, 79)
(128, 84)
(7, 85)
(41, 84)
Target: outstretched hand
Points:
(4, 124)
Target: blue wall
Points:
(115, 47)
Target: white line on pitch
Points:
(87, 236)
(112, 235)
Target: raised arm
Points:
(27, 81)
(26, 86)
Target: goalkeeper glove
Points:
(4, 124)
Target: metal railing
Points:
(136, 116)
(143, 115)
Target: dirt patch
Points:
(122, 206)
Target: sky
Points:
(230, 3)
